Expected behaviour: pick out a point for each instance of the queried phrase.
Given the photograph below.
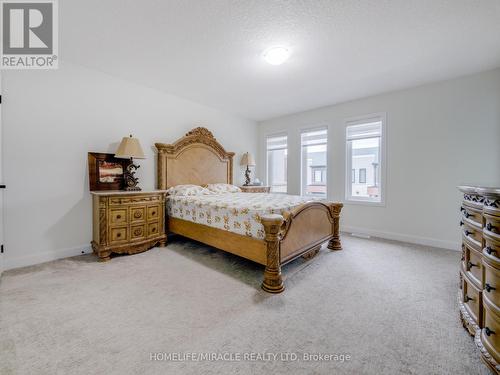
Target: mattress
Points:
(235, 212)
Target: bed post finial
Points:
(273, 282)
(334, 243)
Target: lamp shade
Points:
(247, 159)
(129, 148)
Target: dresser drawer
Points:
(474, 266)
(137, 231)
(490, 334)
(153, 229)
(118, 216)
(491, 289)
(472, 236)
(491, 250)
(472, 300)
(153, 212)
(463, 259)
(472, 216)
(137, 214)
(492, 226)
(118, 234)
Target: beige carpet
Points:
(390, 306)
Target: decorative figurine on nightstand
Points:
(130, 148)
(249, 161)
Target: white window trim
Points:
(311, 129)
(273, 135)
(348, 199)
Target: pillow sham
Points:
(188, 190)
(223, 188)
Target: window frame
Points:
(317, 127)
(276, 135)
(348, 198)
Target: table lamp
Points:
(249, 161)
(130, 148)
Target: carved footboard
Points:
(296, 233)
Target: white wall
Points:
(51, 119)
(438, 136)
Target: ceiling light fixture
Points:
(276, 55)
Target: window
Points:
(362, 175)
(364, 144)
(276, 163)
(313, 144)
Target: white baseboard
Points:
(45, 256)
(450, 245)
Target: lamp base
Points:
(129, 179)
(247, 177)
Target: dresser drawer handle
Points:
(468, 232)
(118, 235)
(137, 214)
(118, 216)
(488, 331)
(489, 226)
(466, 214)
(488, 287)
(489, 250)
(462, 209)
(153, 230)
(470, 265)
(461, 223)
(467, 299)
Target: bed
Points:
(270, 229)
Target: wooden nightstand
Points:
(127, 222)
(255, 189)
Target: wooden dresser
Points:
(479, 296)
(127, 222)
(255, 189)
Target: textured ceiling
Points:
(209, 51)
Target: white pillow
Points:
(223, 188)
(188, 190)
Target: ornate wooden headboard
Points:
(197, 158)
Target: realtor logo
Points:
(29, 34)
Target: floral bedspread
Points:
(235, 212)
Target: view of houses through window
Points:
(363, 160)
(314, 161)
(277, 152)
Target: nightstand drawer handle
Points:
(462, 209)
(137, 214)
(138, 231)
(461, 223)
(118, 216)
(489, 226)
(488, 331)
(153, 229)
(467, 299)
(468, 232)
(470, 265)
(118, 235)
(153, 213)
(489, 288)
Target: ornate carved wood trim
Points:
(195, 139)
(273, 282)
